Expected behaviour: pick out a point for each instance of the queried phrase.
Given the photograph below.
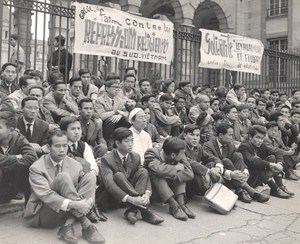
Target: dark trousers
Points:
(63, 185)
(109, 127)
(167, 188)
(14, 180)
(136, 185)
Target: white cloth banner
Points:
(109, 32)
(228, 51)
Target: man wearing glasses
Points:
(111, 110)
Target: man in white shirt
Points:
(141, 139)
(62, 193)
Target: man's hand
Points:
(136, 201)
(215, 175)
(19, 156)
(276, 168)
(82, 206)
(36, 147)
(124, 114)
(146, 198)
(237, 175)
(116, 118)
(179, 167)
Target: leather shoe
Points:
(130, 215)
(260, 197)
(279, 193)
(187, 211)
(287, 191)
(151, 217)
(100, 214)
(178, 213)
(66, 232)
(92, 216)
(291, 176)
(244, 197)
(92, 235)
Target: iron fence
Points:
(38, 22)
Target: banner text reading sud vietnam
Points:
(109, 32)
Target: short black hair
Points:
(84, 71)
(173, 145)
(269, 104)
(282, 94)
(295, 111)
(274, 116)
(255, 129)
(113, 76)
(294, 91)
(228, 108)
(57, 83)
(285, 106)
(274, 91)
(214, 99)
(253, 91)
(60, 39)
(23, 80)
(110, 83)
(237, 86)
(143, 80)
(56, 132)
(65, 121)
(271, 125)
(121, 133)
(190, 128)
(176, 99)
(14, 36)
(37, 87)
(129, 75)
(8, 64)
(74, 79)
(222, 128)
(8, 118)
(165, 97)
(183, 84)
(146, 98)
(259, 99)
(37, 73)
(24, 100)
(131, 68)
(84, 100)
(54, 76)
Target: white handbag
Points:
(220, 198)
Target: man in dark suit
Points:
(169, 171)
(92, 132)
(16, 155)
(235, 171)
(35, 130)
(126, 180)
(60, 60)
(265, 164)
(61, 193)
(8, 83)
(203, 164)
(111, 110)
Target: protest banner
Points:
(109, 32)
(228, 51)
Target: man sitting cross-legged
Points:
(61, 193)
(169, 171)
(125, 180)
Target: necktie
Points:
(73, 148)
(124, 164)
(112, 102)
(28, 132)
(221, 150)
(58, 169)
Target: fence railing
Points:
(37, 22)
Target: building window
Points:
(280, 44)
(278, 7)
(277, 63)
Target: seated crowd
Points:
(74, 149)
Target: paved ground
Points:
(277, 221)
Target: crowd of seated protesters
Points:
(74, 149)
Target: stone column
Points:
(22, 26)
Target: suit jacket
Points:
(156, 163)
(39, 132)
(5, 90)
(255, 158)
(103, 105)
(41, 176)
(60, 109)
(92, 133)
(212, 147)
(17, 145)
(111, 164)
(200, 160)
(45, 115)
